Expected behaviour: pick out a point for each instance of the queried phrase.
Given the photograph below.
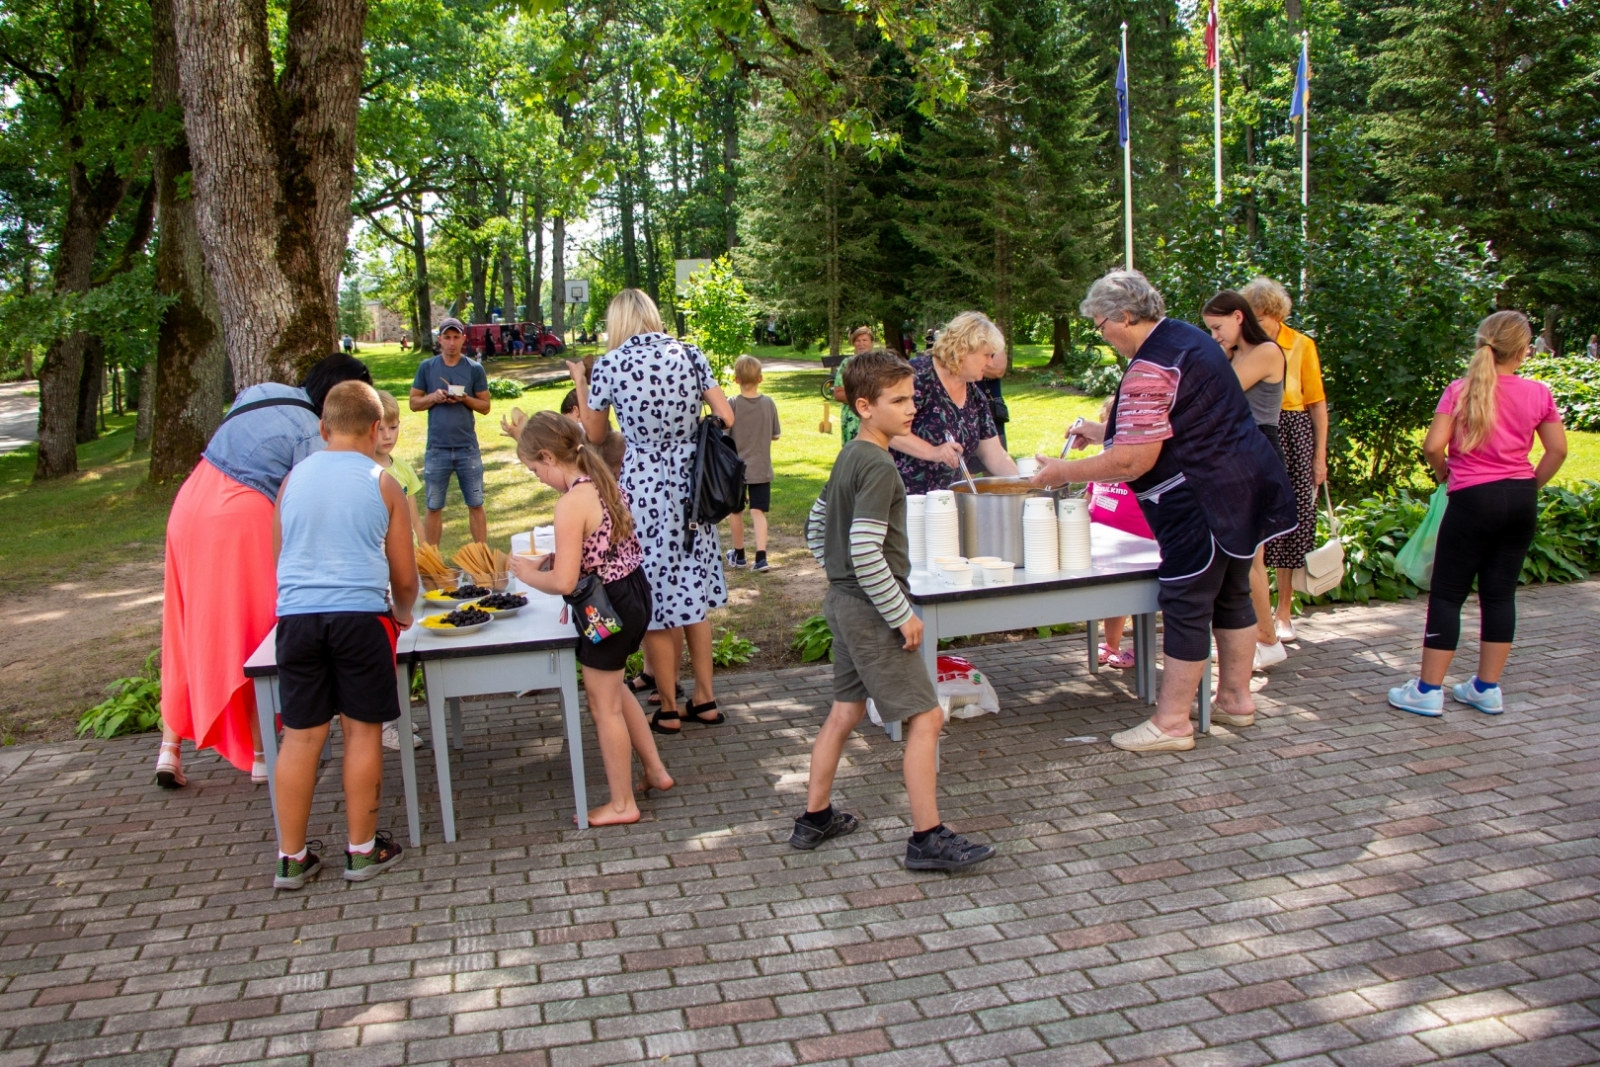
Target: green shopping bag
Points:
(1415, 558)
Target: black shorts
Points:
(1216, 598)
(760, 495)
(337, 663)
(630, 595)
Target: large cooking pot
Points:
(991, 519)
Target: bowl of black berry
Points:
(501, 605)
(463, 620)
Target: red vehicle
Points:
(536, 339)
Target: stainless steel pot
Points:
(991, 520)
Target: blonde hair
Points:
(630, 313)
(967, 332)
(1268, 298)
(562, 438)
(351, 408)
(747, 370)
(391, 407)
(1502, 337)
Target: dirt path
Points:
(62, 643)
(19, 415)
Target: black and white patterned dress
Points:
(655, 383)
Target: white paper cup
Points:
(956, 574)
(979, 561)
(940, 561)
(915, 503)
(999, 573)
(1027, 467)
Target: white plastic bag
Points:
(964, 692)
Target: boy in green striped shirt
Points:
(857, 531)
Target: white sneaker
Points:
(1286, 630)
(391, 738)
(1269, 655)
(258, 768)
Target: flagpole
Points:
(1305, 162)
(1127, 165)
(1216, 96)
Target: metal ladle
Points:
(949, 439)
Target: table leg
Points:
(1205, 699)
(441, 748)
(456, 739)
(1143, 663)
(567, 665)
(266, 712)
(1093, 627)
(408, 756)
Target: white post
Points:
(1305, 165)
(1216, 105)
(1127, 165)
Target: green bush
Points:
(731, 650)
(1102, 380)
(504, 388)
(813, 640)
(1574, 381)
(134, 706)
(1565, 549)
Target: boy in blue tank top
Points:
(343, 534)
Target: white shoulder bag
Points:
(1324, 568)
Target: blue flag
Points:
(1122, 99)
(1302, 84)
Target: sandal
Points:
(695, 711)
(169, 768)
(1122, 659)
(665, 716)
(641, 682)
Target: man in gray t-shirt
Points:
(450, 388)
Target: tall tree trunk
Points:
(832, 213)
(508, 278)
(480, 310)
(730, 163)
(419, 253)
(1552, 320)
(145, 382)
(273, 156)
(1060, 339)
(558, 277)
(90, 206)
(529, 309)
(90, 384)
(180, 392)
(537, 304)
(630, 246)
(491, 286)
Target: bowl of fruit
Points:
(501, 605)
(455, 623)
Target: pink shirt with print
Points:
(1521, 407)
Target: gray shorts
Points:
(870, 660)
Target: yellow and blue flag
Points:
(1122, 97)
(1302, 83)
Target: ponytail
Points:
(558, 435)
(1502, 337)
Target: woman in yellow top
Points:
(1303, 433)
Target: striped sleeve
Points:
(816, 531)
(872, 571)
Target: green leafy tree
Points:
(354, 319)
(719, 314)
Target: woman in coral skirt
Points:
(221, 583)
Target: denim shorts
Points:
(465, 463)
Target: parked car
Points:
(486, 340)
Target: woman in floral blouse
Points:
(950, 405)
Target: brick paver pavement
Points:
(1341, 885)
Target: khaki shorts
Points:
(870, 660)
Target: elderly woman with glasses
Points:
(1181, 434)
(954, 416)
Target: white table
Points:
(1121, 581)
(532, 650)
(262, 669)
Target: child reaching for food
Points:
(404, 473)
(594, 535)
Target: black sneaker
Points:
(807, 836)
(761, 565)
(294, 874)
(736, 560)
(358, 867)
(945, 851)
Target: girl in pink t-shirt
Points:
(1113, 504)
(1478, 445)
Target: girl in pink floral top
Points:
(594, 535)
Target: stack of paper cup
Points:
(917, 531)
(942, 526)
(1073, 527)
(1040, 538)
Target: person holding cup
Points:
(451, 387)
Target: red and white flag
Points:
(1211, 37)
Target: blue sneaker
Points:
(1489, 701)
(1409, 698)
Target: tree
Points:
(719, 314)
(273, 150)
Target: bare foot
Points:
(659, 782)
(606, 815)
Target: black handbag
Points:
(592, 612)
(716, 489)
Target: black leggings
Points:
(1485, 535)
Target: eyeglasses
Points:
(1101, 325)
